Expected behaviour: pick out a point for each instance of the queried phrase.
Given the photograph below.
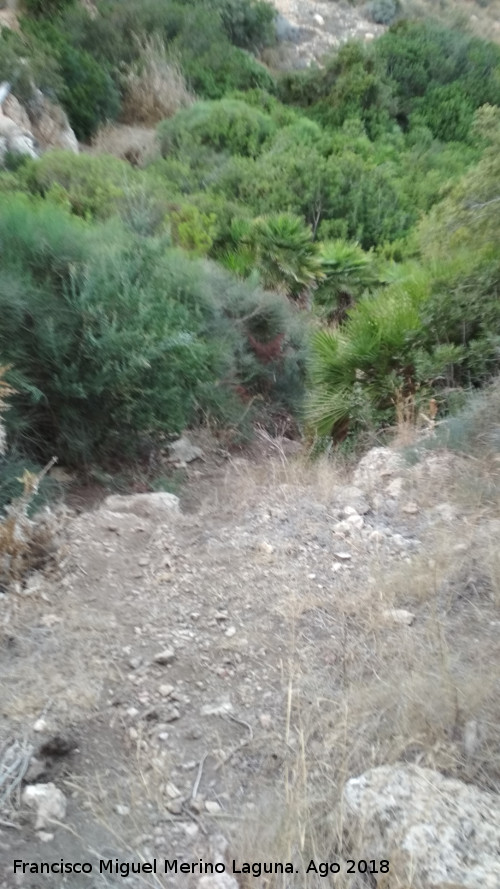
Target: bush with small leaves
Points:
(227, 125)
(383, 12)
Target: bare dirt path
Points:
(197, 663)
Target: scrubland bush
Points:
(229, 125)
(111, 336)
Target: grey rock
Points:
(48, 801)
(183, 451)
(444, 831)
(144, 505)
(165, 657)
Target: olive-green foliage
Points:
(421, 68)
(419, 56)
(90, 186)
(433, 331)
(383, 12)
(249, 24)
(203, 37)
(227, 125)
(39, 8)
(347, 271)
(112, 336)
(191, 229)
(282, 249)
(38, 68)
(106, 338)
(357, 370)
(87, 91)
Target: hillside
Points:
(249, 444)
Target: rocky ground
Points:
(308, 30)
(219, 667)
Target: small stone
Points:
(197, 804)
(318, 19)
(191, 830)
(343, 556)
(265, 720)
(49, 802)
(395, 487)
(122, 810)
(172, 715)
(44, 836)
(410, 508)
(212, 807)
(165, 657)
(398, 616)
(172, 791)
(350, 511)
(231, 631)
(132, 712)
(266, 547)
(355, 521)
(166, 690)
(134, 662)
(218, 708)
(40, 725)
(460, 547)
(163, 736)
(183, 451)
(133, 733)
(174, 806)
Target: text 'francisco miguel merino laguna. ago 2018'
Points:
(174, 866)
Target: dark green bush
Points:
(87, 90)
(220, 68)
(228, 125)
(111, 336)
(249, 24)
(39, 8)
(383, 12)
(92, 186)
(38, 69)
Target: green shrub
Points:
(39, 69)
(221, 68)
(347, 272)
(228, 125)
(358, 371)
(249, 24)
(192, 230)
(447, 111)
(284, 253)
(91, 186)
(39, 8)
(383, 12)
(87, 92)
(111, 337)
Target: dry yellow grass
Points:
(155, 88)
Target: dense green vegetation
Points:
(332, 229)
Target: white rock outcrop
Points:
(32, 132)
(49, 802)
(437, 832)
(145, 505)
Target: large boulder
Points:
(32, 130)
(377, 468)
(436, 832)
